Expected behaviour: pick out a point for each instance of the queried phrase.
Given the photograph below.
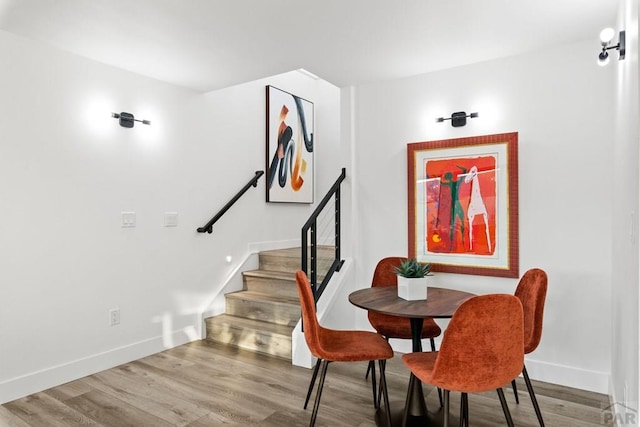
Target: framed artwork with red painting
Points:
(463, 204)
(290, 147)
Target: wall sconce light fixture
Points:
(457, 119)
(606, 37)
(127, 119)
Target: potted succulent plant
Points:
(412, 279)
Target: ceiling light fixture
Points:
(127, 119)
(457, 119)
(606, 37)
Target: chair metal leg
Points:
(380, 390)
(385, 393)
(446, 409)
(316, 405)
(532, 395)
(515, 391)
(464, 410)
(505, 408)
(433, 348)
(371, 366)
(313, 382)
(373, 386)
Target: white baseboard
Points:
(568, 376)
(620, 411)
(232, 283)
(35, 382)
(300, 354)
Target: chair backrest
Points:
(532, 291)
(384, 274)
(309, 317)
(482, 348)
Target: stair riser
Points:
(271, 286)
(280, 314)
(279, 263)
(291, 265)
(289, 262)
(275, 345)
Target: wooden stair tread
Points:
(323, 252)
(270, 274)
(258, 296)
(274, 274)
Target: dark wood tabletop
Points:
(440, 302)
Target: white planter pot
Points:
(412, 289)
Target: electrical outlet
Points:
(114, 317)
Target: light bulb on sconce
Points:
(606, 36)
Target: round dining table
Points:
(441, 303)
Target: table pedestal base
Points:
(429, 419)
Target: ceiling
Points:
(210, 44)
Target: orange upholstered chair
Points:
(482, 349)
(394, 326)
(532, 291)
(330, 345)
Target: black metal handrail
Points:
(208, 227)
(311, 225)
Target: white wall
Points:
(624, 336)
(65, 163)
(67, 170)
(560, 102)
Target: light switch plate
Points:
(171, 219)
(128, 219)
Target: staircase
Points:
(262, 316)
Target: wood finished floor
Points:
(204, 384)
